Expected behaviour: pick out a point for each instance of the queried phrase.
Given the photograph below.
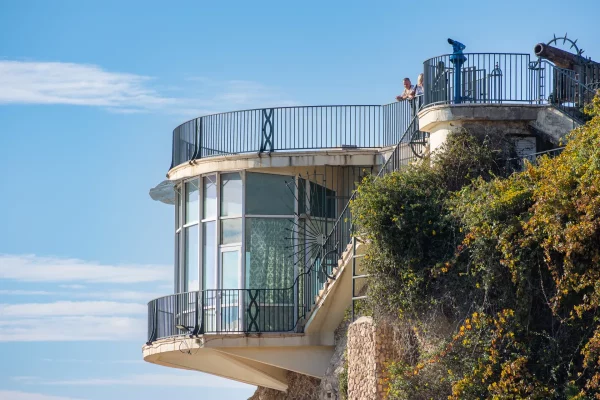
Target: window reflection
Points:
(209, 254)
(231, 195)
(231, 231)
(191, 258)
(268, 194)
(191, 201)
(210, 197)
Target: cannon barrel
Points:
(562, 59)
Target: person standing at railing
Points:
(418, 91)
(409, 90)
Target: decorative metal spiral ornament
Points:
(565, 40)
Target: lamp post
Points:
(457, 58)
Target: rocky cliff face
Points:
(330, 383)
(300, 387)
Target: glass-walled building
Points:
(244, 241)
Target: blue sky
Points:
(89, 95)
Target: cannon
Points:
(585, 70)
(562, 59)
(572, 70)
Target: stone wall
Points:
(370, 347)
(366, 347)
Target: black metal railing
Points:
(291, 128)
(517, 164)
(409, 149)
(484, 78)
(224, 311)
(565, 92)
(487, 78)
(504, 78)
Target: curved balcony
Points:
(224, 311)
(291, 128)
(484, 78)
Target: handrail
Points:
(568, 94)
(288, 128)
(503, 78)
(341, 231)
(223, 311)
(500, 78)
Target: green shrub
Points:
(495, 277)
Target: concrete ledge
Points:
(262, 360)
(554, 124)
(431, 117)
(282, 159)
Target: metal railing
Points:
(223, 311)
(504, 78)
(484, 78)
(566, 93)
(517, 164)
(290, 128)
(409, 148)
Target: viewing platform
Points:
(266, 264)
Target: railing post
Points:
(154, 317)
(196, 315)
(253, 294)
(199, 137)
(267, 120)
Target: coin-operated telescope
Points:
(457, 58)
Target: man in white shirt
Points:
(408, 91)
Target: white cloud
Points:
(17, 395)
(180, 380)
(106, 295)
(70, 308)
(26, 292)
(33, 82)
(25, 82)
(77, 328)
(80, 361)
(72, 286)
(31, 268)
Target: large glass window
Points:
(209, 226)
(191, 201)
(209, 197)
(191, 209)
(269, 244)
(231, 195)
(177, 235)
(268, 194)
(316, 200)
(209, 232)
(230, 278)
(191, 258)
(222, 244)
(322, 201)
(231, 231)
(209, 248)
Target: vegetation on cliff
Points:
(493, 278)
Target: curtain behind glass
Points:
(269, 253)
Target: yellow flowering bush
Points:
(497, 274)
